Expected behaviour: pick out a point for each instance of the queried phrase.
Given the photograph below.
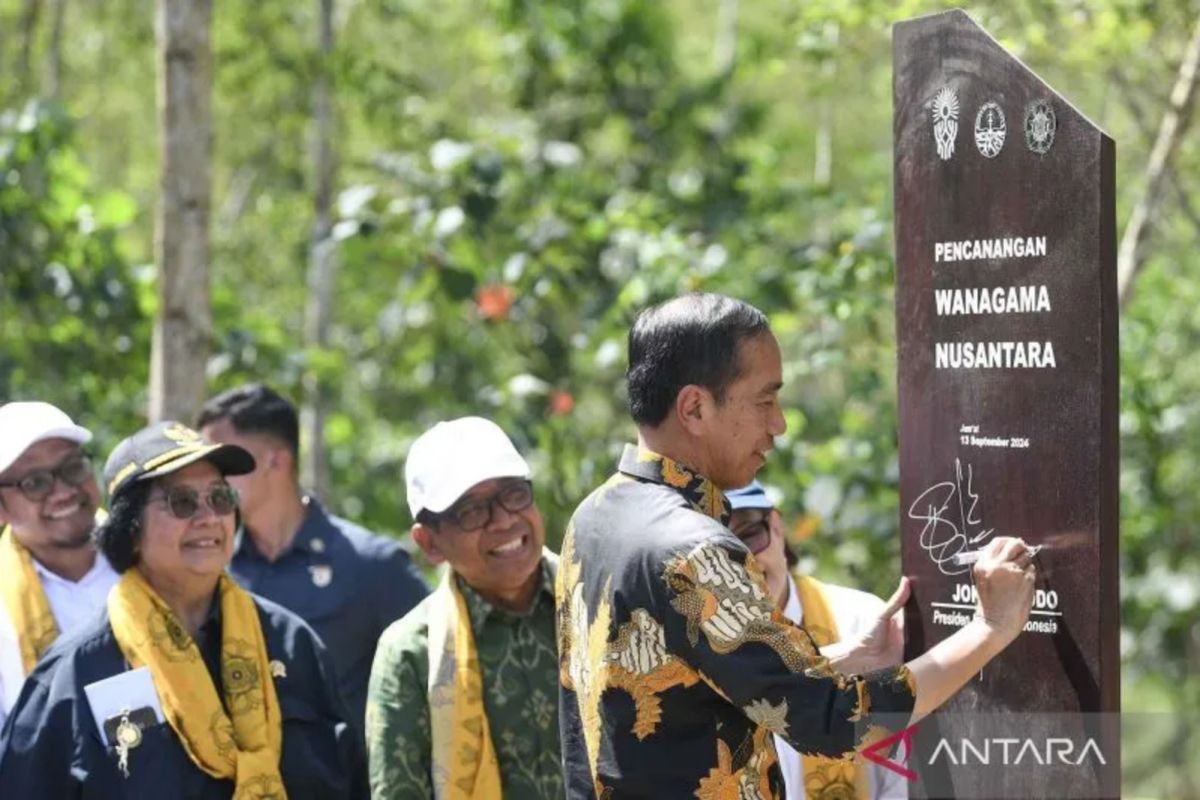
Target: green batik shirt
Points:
(519, 663)
(677, 670)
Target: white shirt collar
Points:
(792, 608)
(100, 569)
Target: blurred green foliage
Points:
(517, 179)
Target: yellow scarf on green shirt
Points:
(240, 740)
(25, 600)
(827, 778)
(464, 759)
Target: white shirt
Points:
(855, 612)
(72, 603)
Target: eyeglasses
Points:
(749, 526)
(184, 502)
(37, 485)
(475, 513)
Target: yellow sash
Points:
(25, 600)
(242, 745)
(827, 777)
(464, 760)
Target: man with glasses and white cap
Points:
(52, 577)
(830, 614)
(463, 693)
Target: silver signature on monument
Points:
(1040, 127)
(990, 129)
(951, 520)
(945, 121)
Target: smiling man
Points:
(677, 669)
(51, 577)
(462, 699)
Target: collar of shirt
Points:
(313, 536)
(100, 570)
(792, 608)
(701, 493)
(480, 609)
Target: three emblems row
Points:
(991, 126)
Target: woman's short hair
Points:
(119, 536)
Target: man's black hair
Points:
(692, 339)
(118, 537)
(255, 408)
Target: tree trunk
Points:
(29, 22)
(1131, 254)
(322, 264)
(823, 156)
(54, 51)
(1130, 97)
(725, 43)
(183, 326)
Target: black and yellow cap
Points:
(163, 448)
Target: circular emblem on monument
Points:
(945, 121)
(989, 130)
(1040, 126)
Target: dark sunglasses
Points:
(753, 525)
(37, 485)
(184, 502)
(475, 513)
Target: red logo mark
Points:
(872, 752)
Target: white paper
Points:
(127, 691)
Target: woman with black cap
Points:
(186, 686)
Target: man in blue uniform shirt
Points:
(346, 582)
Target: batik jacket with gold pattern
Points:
(674, 666)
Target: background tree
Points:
(516, 179)
(183, 325)
(322, 259)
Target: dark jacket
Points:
(346, 582)
(676, 669)
(50, 746)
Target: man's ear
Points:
(693, 406)
(423, 536)
(282, 460)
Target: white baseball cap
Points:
(451, 457)
(24, 424)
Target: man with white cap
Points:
(53, 578)
(463, 694)
(830, 614)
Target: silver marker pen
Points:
(971, 556)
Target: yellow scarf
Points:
(242, 745)
(827, 777)
(464, 760)
(25, 600)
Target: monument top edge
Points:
(958, 17)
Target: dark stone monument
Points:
(1006, 320)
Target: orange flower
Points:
(494, 301)
(561, 403)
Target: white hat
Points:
(23, 425)
(451, 457)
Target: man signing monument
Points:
(675, 667)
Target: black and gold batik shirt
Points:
(675, 668)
